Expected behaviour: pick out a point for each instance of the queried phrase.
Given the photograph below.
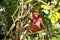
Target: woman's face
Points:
(36, 14)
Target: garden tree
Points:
(13, 9)
(15, 21)
(10, 8)
(54, 15)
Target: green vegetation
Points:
(11, 9)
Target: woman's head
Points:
(35, 14)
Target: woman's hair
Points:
(34, 15)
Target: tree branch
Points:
(13, 25)
(14, 13)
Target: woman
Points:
(35, 25)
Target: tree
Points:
(14, 10)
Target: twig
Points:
(53, 33)
(14, 13)
(27, 1)
(28, 11)
(22, 9)
(43, 2)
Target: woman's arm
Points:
(42, 23)
(23, 27)
(30, 16)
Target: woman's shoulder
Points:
(40, 19)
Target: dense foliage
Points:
(49, 10)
